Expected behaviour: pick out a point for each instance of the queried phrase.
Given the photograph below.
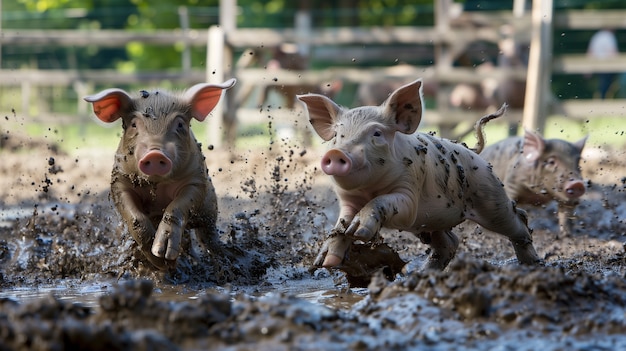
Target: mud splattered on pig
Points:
(160, 183)
(426, 185)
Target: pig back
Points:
(502, 155)
(450, 178)
(535, 170)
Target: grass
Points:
(602, 131)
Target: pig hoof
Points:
(157, 262)
(331, 261)
(318, 261)
(158, 250)
(364, 234)
(171, 254)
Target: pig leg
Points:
(170, 231)
(521, 239)
(492, 209)
(337, 244)
(392, 210)
(566, 216)
(204, 223)
(141, 229)
(443, 244)
(333, 251)
(512, 223)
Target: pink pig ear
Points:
(204, 97)
(323, 114)
(580, 144)
(534, 145)
(405, 106)
(108, 104)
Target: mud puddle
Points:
(319, 291)
(87, 295)
(70, 276)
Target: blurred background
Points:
(472, 55)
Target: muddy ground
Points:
(70, 275)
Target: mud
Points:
(70, 274)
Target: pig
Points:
(536, 171)
(159, 182)
(386, 174)
(469, 97)
(287, 57)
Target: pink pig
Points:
(387, 175)
(536, 171)
(159, 182)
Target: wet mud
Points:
(60, 233)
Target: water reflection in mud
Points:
(322, 292)
(87, 295)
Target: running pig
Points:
(386, 175)
(536, 171)
(160, 183)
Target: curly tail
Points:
(478, 128)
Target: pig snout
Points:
(155, 162)
(336, 162)
(574, 189)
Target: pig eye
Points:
(180, 125)
(377, 133)
(550, 162)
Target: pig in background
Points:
(280, 57)
(388, 175)
(536, 171)
(374, 93)
(493, 92)
(286, 56)
(159, 182)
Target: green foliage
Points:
(280, 13)
(167, 15)
(145, 15)
(601, 131)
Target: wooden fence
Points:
(447, 40)
(222, 41)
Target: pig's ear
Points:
(405, 106)
(534, 145)
(580, 144)
(323, 113)
(108, 104)
(204, 97)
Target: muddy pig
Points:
(388, 175)
(536, 171)
(160, 183)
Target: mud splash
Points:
(69, 276)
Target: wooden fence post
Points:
(0, 31)
(303, 32)
(539, 63)
(215, 74)
(183, 17)
(228, 15)
(217, 57)
(443, 62)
